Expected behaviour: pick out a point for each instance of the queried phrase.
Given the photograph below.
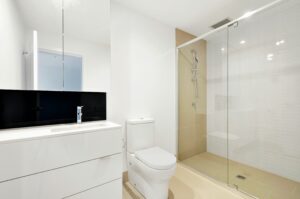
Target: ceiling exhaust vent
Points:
(221, 23)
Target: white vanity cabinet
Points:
(106, 191)
(62, 161)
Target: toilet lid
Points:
(156, 158)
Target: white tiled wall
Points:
(264, 95)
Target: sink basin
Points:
(18, 134)
(77, 127)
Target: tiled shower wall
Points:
(192, 109)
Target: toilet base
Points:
(147, 189)
(136, 181)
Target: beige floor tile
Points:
(187, 184)
(126, 195)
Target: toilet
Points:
(149, 167)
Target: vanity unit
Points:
(62, 161)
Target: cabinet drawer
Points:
(33, 156)
(63, 182)
(112, 190)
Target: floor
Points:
(126, 194)
(188, 184)
(259, 183)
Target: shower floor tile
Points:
(261, 184)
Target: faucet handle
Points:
(79, 107)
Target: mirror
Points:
(55, 45)
(87, 40)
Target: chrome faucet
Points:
(79, 114)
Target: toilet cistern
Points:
(79, 114)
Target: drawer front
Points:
(63, 182)
(33, 156)
(112, 190)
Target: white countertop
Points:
(41, 132)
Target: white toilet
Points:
(149, 167)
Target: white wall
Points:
(264, 95)
(12, 75)
(95, 57)
(143, 73)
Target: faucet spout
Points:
(79, 114)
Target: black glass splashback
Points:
(23, 108)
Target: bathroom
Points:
(149, 99)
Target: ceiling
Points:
(84, 19)
(193, 16)
(90, 19)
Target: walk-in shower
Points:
(239, 103)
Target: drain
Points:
(241, 177)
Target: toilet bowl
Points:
(150, 167)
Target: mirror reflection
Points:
(55, 45)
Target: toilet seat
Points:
(156, 158)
